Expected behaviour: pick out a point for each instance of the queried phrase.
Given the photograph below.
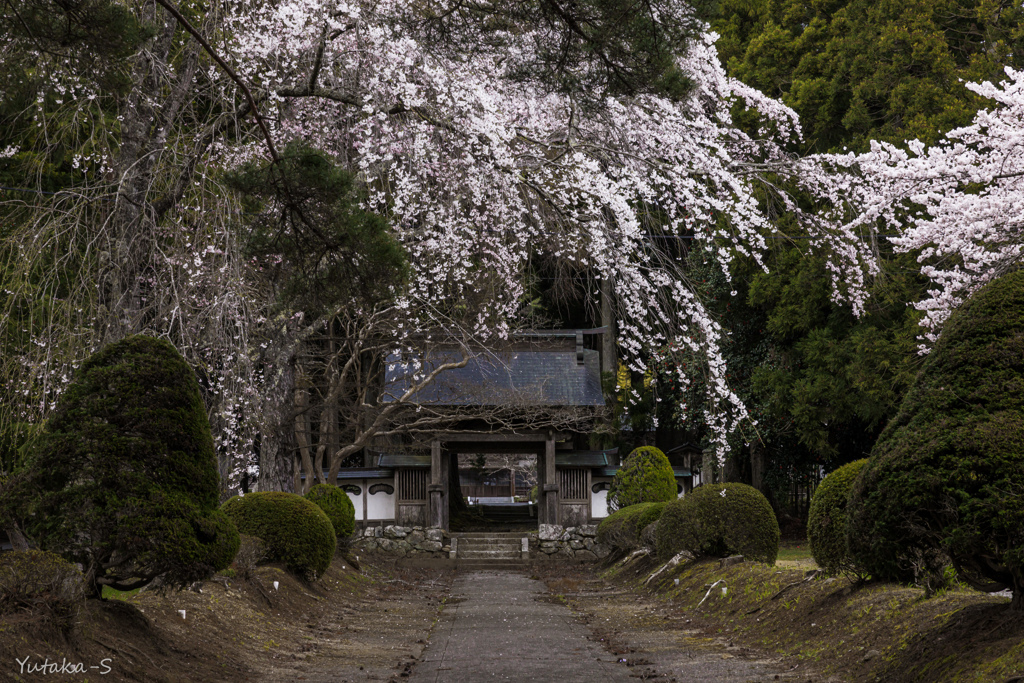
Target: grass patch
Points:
(796, 552)
(114, 594)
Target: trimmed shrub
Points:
(621, 529)
(41, 583)
(718, 520)
(945, 477)
(123, 478)
(296, 531)
(645, 477)
(826, 520)
(337, 506)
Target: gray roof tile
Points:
(513, 378)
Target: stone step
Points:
(489, 543)
(494, 513)
(503, 565)
(490, 550)
(489, 554)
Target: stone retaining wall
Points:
(573, 542)
(549, 542)
(405, 541)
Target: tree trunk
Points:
(302, 433)
(757, 464)
(275, 459)
(708, 466)
(732, 469)
(18, 541)
(277, 432)
(328, 428)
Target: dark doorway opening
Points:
(499, 491)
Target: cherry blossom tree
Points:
(482, 156)
(484, 134)
(958, 204)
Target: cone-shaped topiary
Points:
(826, 520)
(946, 477)
(296, 531)
(645, 477)
(717, 520)
(621, 529)
(337, 506)
(123, 479)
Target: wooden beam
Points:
(532, 448)
(502, 437)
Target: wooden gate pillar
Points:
(437, 491)
(550, 488)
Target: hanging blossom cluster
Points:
(480, 169)
(959, 204)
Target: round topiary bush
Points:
(123, 478)
(945, 477)
(718, 520)
(337, 506)
(296, 531)
(43, 584)
(645, 477)
(621, 529)
(826, 520)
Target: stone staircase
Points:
(490, 550)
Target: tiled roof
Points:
(361, 473)
(403, 460)
(583, 458)
(514, 378)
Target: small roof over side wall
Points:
(610, 472)
(584, 458)
(515, 378)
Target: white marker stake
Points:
(676, 582)
(182, 613)
(275, 585)
(724, 590)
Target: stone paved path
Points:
(504, 626)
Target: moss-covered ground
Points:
(367, 623)
(850, 630)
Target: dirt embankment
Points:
(846, 630)
(366, 624)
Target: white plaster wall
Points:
(599, 500)
(379, 505)
(357, 499)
